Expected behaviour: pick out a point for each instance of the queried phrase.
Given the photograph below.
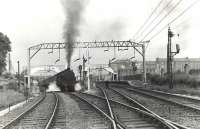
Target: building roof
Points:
(120, 61)
(109, 69)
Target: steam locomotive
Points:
(66, 80)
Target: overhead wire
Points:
(165, 16)
(148, 25)
(178, 16)
(147, 20)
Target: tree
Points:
(4, 49)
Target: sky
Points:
(31, 22)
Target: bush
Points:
(138, 77)
(132, 77)
(194, 71)
(182, 79)
(8, 76)
(157, 79)
(12, 85)
(10, 97)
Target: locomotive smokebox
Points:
(66, 80)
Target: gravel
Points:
(80, 116)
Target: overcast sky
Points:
(31, 22)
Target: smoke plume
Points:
(113, 29)
(110, 30)
(73, 10)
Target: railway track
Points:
(120, 96)
(59, 117)
(124, 116)
(187, 101)
(182, 101)
(112, 108)
(98, 119)
(11, 116)
(39, 114)
(174, 110)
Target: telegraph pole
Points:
(18, 74)
(83, 69)
(170, 56)
(169, 59)
(9, 63)
(80, 71)
(144, 64)
(88, 70)
(29, 69)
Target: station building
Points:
(124, 68)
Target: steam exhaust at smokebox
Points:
(77, 87)
(53, 87)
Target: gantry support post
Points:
(83, 71)
(88, 70)
(144, 63)
(29, 69)
(18, 74)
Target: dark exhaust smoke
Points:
(73, 10)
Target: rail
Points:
(165, 123)
(54, 112)
(23, 113)
(99, 110)
(146, 109)
(109, 107)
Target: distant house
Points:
(123, 67)
(179, 64)
(102, 72)
(159, 66)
